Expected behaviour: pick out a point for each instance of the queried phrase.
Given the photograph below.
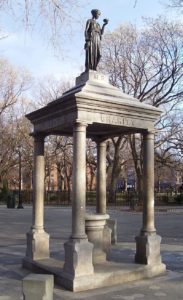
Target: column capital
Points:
(100, 140)
(149, 135)
(150, 131)
(79, 127)
(80, 123)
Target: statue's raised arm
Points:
(93, 35)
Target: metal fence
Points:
(123, 198)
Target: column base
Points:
(37, 245)
(148, 249)
(78, 258)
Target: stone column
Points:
(148, 242)
(37, 238)
(78, 251)
(148, 183)
(79, 182)
(101, 177)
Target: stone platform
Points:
(105, 274)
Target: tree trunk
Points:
(116, 170)
(112, 190)
(139, 186)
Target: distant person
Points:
(93, 35)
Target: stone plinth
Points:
(148, 249)
(37, 245)
(95, 231)
(78, 259)
(38, 287)
(93, 76)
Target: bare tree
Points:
(49, 89)
(176, 4)
(116, 159)
(147, 64)
(53, 18)
(15, 140)
(13, 84)
(91, 164)
(61, 156)
(7, 146)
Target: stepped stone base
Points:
(105, 275)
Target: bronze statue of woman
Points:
(93, 35)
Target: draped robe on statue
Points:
(93, 44)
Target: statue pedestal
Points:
(92, 76)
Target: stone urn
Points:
(95, 224)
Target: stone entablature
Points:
(95, 101)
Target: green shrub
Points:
(4, 194)
(179, 199)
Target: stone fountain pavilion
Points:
(94, 109)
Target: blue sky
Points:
(33, 52)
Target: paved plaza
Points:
(15, 223)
